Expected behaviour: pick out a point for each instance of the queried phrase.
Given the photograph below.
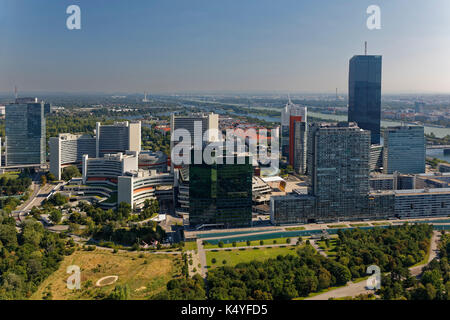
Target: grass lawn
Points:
(295, 229)
(337, 226)
(381, 223)
(236, 256)
(143, 278)
(253, 243)
(330, 251)
(356, 225)
(190, 245)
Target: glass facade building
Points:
(25, 133)
(364, 94)
(221, 194)
(338, 169)
(404, 149)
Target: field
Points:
(337, 226)
(358, 225)
(145, 274)
(190, 245)
(295, 228)
(253, 243)
(236, 256)
(381, 223)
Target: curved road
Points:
(353, 289)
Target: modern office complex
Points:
(293, 135)
(364, 93)
(108, 167)
(118, 137)
(150, 160)
(221, 194)
(422, 202)
(338, 168)
(206, 124)
(69, 149)
(136, 187)
(404, 149)
(25, 133)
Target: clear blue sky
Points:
(220, 45)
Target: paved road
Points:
(354, 289)
(202, 257)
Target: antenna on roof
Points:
(15, 91)
(365, 48)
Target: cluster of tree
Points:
(128, 236)
(9, 204)
(434, 162)
(13, 186)
(387, 248)
(48, 177)
(285, 277)
(120, 293)
(150, 208)
(56, 200)
(70, 172)
(27, 258)
(434, 283)
(155, 140)
(71, 123)
(184, 289)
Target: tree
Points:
(220, 244)
(433, 277)
(55, 216)
(43, 180)
(120, 293)
(234, 244)
(213, 260)
(324, 278)
(248, 243)
(288, 240)
(261, 242)
(123, 210)
(70, 172)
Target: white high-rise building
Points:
(118, 137)
(69, 149)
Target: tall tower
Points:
(290, 115)
(338, 168)
(25, 132)
(364, 93)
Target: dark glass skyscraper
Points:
(221, 194)
(25, 132)
(364, 94)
